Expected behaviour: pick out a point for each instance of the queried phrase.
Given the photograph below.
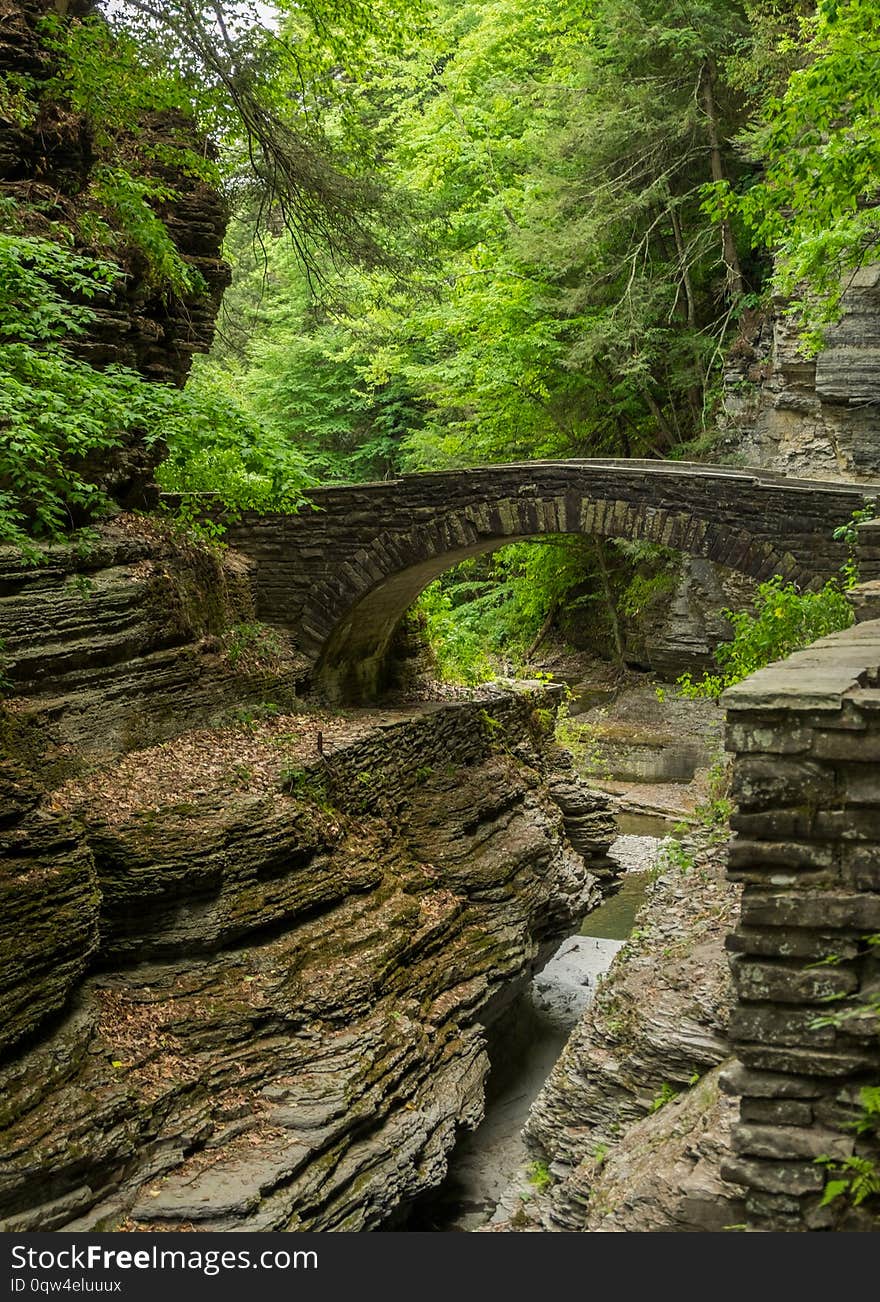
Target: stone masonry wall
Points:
(339, 577)
(805, 734)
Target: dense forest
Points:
(459, 233)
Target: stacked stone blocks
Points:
(805, 736)
(339, 577)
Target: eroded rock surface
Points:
(631, 1119)
(815, 417)
(285, 1030)
(126, 643)
(48, 160)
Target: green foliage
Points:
(869, 1121)
(867, 1009)
(644, 590)
(60, 417)
(849, 533)
(249, 716)
(482, 617)
(854, 1178)
(55, 412)
(666, 1095)
(215, 446)
(129, 203)
(252, 647)
(600, 1153)
(539, 1176)
(584, 742)
(713, 814)
(674, 855)
(271, 99)
(819, 144)
(458, 651)
(103, 75)
(562, 291)
(574, 231)
(785, 620)
(305, 784)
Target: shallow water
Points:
(529, 1039)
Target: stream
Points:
(524, 1047)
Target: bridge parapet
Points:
(805, 735)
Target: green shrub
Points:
(59, 416)
(785, 620)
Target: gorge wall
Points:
(249, 948)
(812, 416)
(49, 161)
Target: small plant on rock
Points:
(539, 1176)
(666, 1095)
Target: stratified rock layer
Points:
(815, 417)
(47, 163)
(127, 643)
(286, 1030)
(665, 1173)
(48, 907)
(634, 1143)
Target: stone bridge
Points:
(340, 576)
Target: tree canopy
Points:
(461, 232)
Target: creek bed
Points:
(524, 1047)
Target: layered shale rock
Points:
(126, 642)
(48, 907)
(634, 1143)
(285, 1026)
(815, 417)
(665, 1173)
(678, 632)
(48, 159)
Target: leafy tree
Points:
(817, 205)
(263, 92)
(784, 620)
(60, 417)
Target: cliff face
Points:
(819, 417)
(248, 949)
(679, 632)
(128, 644)
(46, 165)
(301, 1036)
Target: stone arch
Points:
(349, 620)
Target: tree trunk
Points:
(611, 606)
(728, 243)
(544, 629)
(687, 285)
(657, 412)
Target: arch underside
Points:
(350, 621)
